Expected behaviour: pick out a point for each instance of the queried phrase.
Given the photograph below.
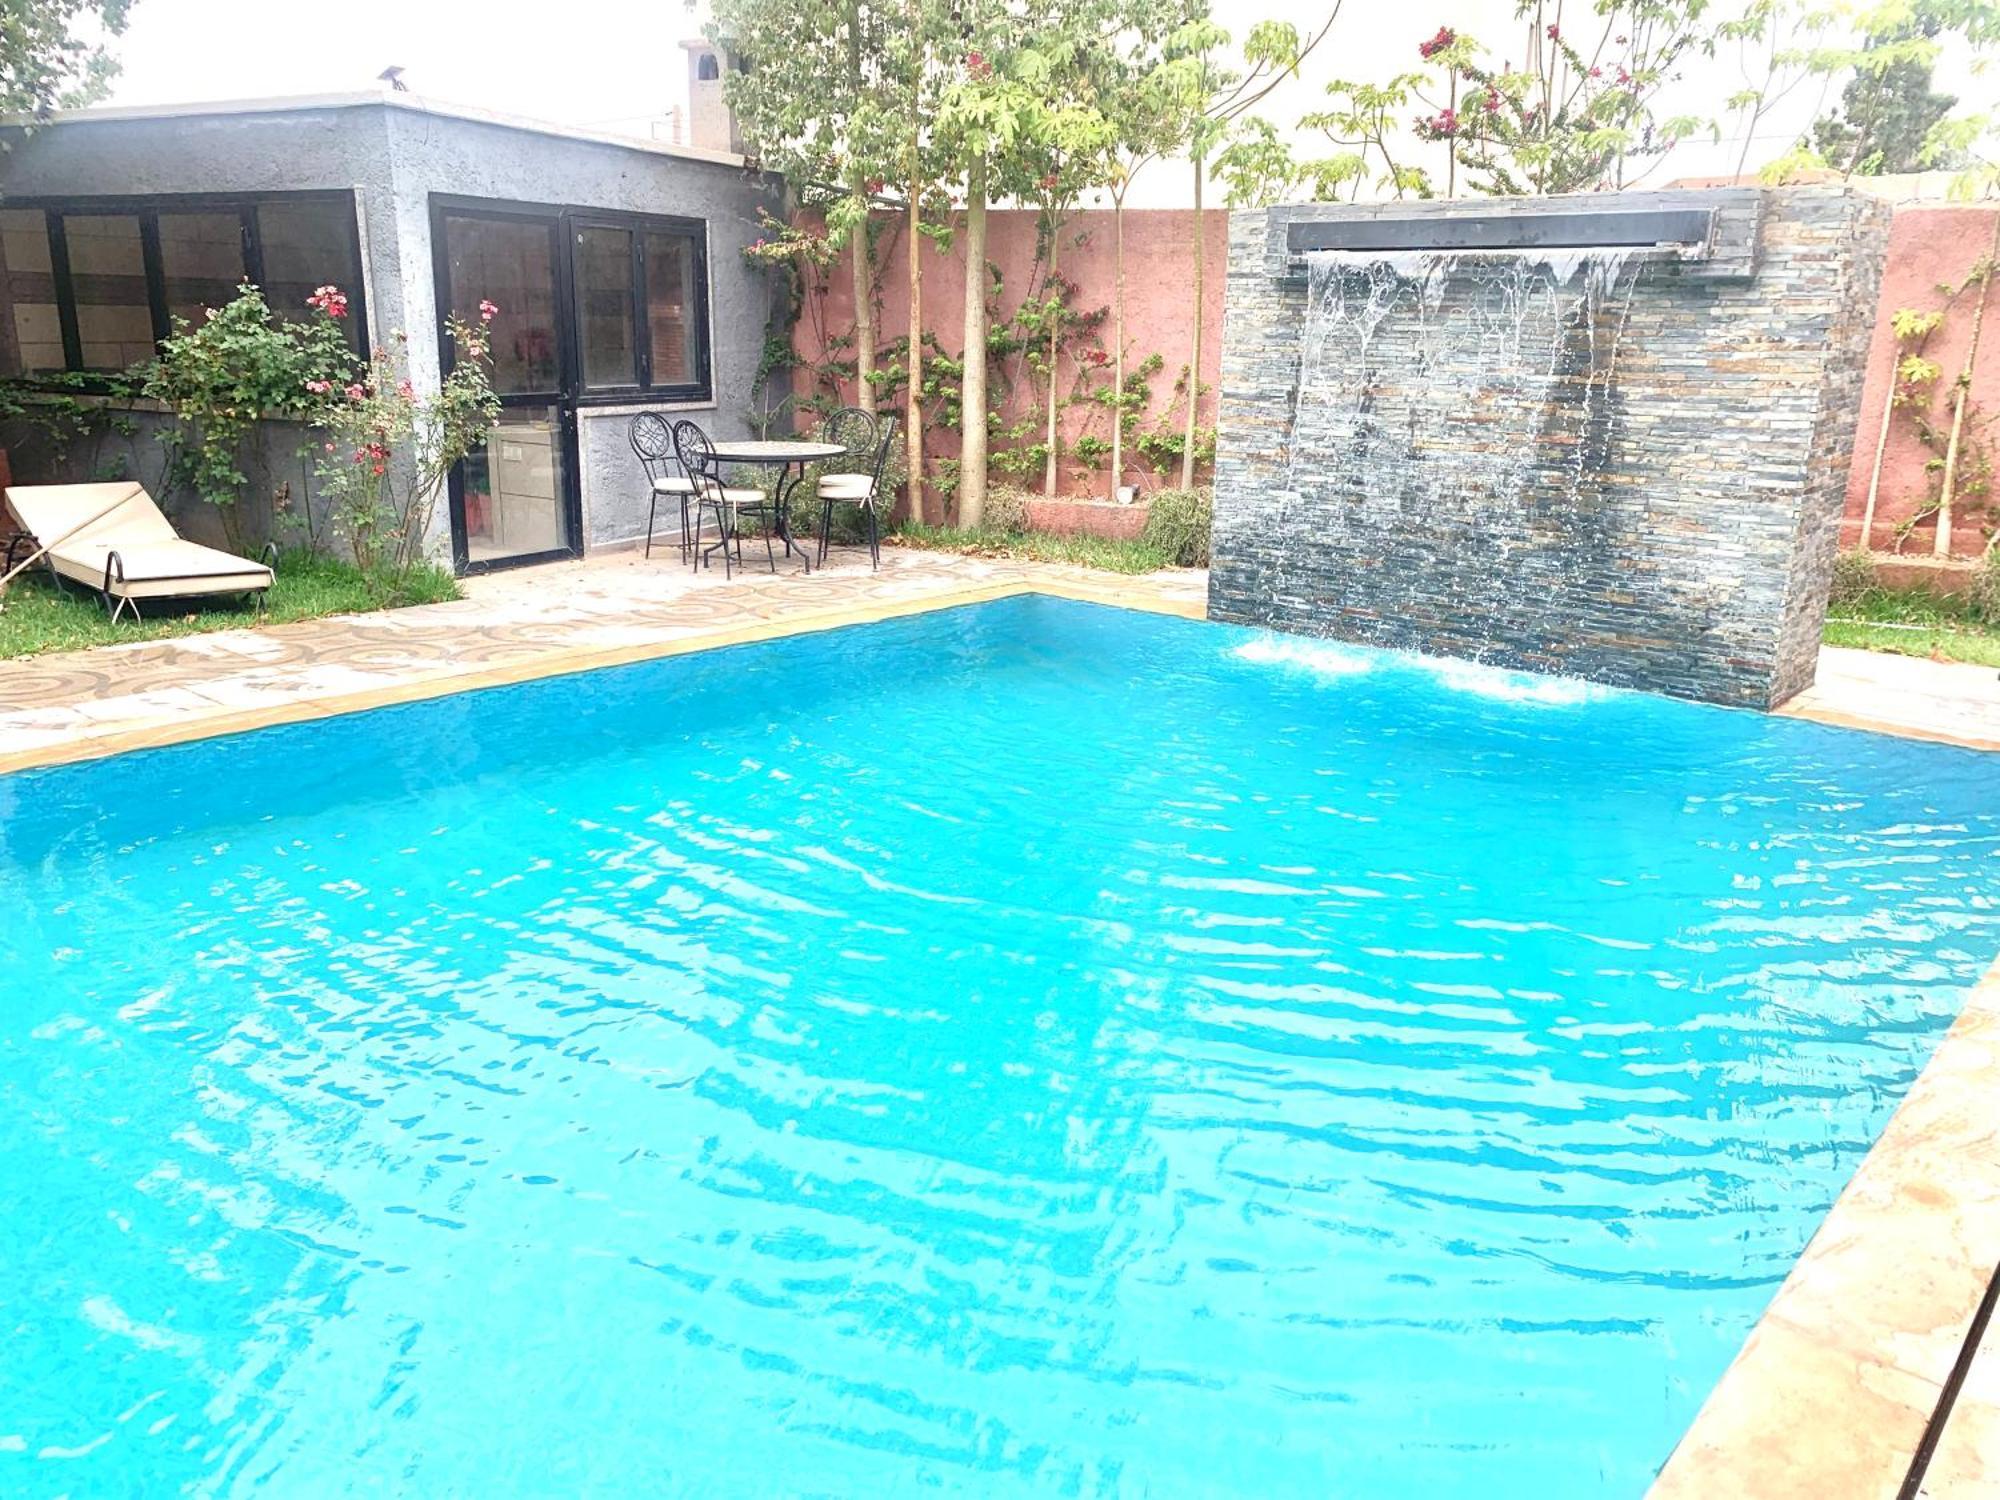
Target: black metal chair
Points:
(652, 437)
(862, 489)
(727, 502)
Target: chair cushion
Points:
(673, 484)
(846, 486)
(118, 512)
(160, 570)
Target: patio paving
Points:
(509, 626)
(622, 607)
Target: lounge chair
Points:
(112, 539)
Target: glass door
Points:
(516, 499)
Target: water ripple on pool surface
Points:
(1032, 1048)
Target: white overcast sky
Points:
(617, 64)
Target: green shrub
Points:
(1853, 577)
(1006, 509)
(1985, 595)
(1178, 525)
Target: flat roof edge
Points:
(384, 99)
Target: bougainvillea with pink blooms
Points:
(389, 451)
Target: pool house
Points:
(616, 264)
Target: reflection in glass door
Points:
(515, 500)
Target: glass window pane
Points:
(30, 331)
(604, 287)
(514, 487)
(107, 270)
(201, 258)
(308, 244)
(671, 309)
(508, 262)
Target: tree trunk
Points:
(1941, 544)
(913, 394)
(1049, 463)
(1881, 450)
(1194, 342)
(1117, 341)
(861, 259)
(972, 390)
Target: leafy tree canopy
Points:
(53, 53)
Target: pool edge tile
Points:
(95, 739)
(1823, 1398)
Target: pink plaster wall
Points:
(1927, 246)
(1159, 277)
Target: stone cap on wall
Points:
(1712, 232)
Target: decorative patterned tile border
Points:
(1836, 1386)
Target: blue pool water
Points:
(1027, 1049)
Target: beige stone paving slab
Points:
(1966, 1465)
(1951, 701)
(1832, 1393)
(509, 627)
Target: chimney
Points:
(711, 125)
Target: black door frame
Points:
(562, 398)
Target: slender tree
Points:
(817, 104)
(1218, 100)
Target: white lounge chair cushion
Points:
(846, 486)
(155, 561)
(160, 570)
(740, 498)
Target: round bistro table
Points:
(783, 455)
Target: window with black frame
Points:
(641, 288)
(92, 285)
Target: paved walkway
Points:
(509, 626)
(1933, 700)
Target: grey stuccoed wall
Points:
(1673, 509)
(394, 156)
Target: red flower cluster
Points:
(1445, 37)
(374, 455)
(357, 393)
(330, 300)
(1555, 32)
(1048, 182)
(319, 387)
(488, 311)
(1440, 126)
(1492, 101)
(977, 66)
(1098, 357)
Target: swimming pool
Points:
(1025, 1048)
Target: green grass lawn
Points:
(1913, 622)
(36, 618)
(1036, 546)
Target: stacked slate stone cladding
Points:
(1675, 513)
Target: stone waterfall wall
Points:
(1675, 512)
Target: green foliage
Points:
(239, 367)
(1038, 546)
(1923, 622)
(1007, 509)
(40, 618)
(1178, 525)
(1853, 577)
(1984, 596)
(1888, 109)
(386, 451)
(50, 55)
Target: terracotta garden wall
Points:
(1159, 269)
(1928, 245)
